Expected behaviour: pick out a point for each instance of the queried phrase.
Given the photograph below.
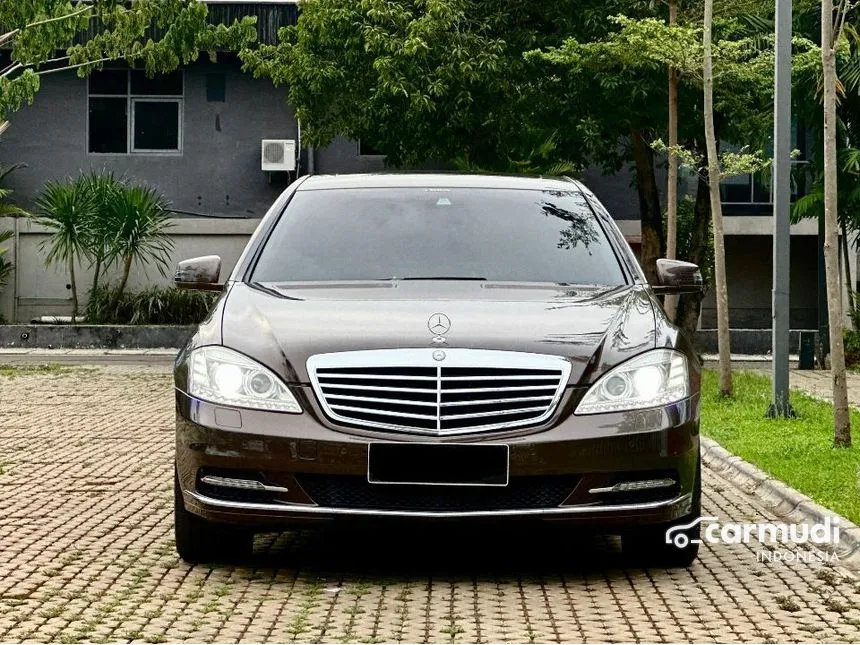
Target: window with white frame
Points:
(130, 113)
(756, 189)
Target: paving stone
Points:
(87, 554)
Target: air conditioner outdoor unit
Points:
(278, 155)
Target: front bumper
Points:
(592, 450)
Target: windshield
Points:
(438, 233)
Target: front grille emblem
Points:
(439, 324)
(438, 355)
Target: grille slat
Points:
(427, 391)
(469, 390)
(376, 388)
(493, 413)
(371, 399)
(374, 377)
(541, 377)
(450, 404)
(388, 413)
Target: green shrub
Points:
(154, 306)
(852, 347)
(106, 221)
(5, 264)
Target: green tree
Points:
(422, 80)
(138, 221)
(833, 17)
(105, 189)
(5, 265)
(444, 80)
(45, 36)
(7, 210)
(65, 209)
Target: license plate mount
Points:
(438, 464)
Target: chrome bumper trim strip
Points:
(318, 510)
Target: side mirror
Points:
(676, 276)
(199, 273)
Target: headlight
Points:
(221, 375)
(655, 378)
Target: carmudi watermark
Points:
(772, 535)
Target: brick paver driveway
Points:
(86, 554)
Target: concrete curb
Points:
(163, 357)
(785, 502)
(745, 341)
(94, 336)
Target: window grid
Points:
(130, 100)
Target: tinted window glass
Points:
(108, 125)
(156, 125)
(109, 81)
(366, 148)
(158, 85)
(505, 235)
(216, 87)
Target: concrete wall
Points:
(44, 290)
(217, 172)
(618, 192)
(749, 272)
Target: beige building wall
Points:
(36, 290)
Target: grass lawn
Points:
(797, 451)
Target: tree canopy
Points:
(422, 80)
(45, 36)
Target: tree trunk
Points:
(126, 270)
(650, 216)
(841, 417)
(690, 305)
(97, 269)
(722, 294)
(74, 289)
(849, 283)
(671, 302)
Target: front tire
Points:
(199, 540)
(648, 545)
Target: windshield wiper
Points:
(439, 277)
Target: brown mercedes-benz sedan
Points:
(437, 347)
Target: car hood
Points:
(283, 325)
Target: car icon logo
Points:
(675, 534)
(439, 324)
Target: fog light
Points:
(627, 487)
(244, 484)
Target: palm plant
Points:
(66, 210)
(138, 221)
(104, 189)
(5, 265)
(7, 210)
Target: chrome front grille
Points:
(438, 391)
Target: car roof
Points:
(435, 180)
